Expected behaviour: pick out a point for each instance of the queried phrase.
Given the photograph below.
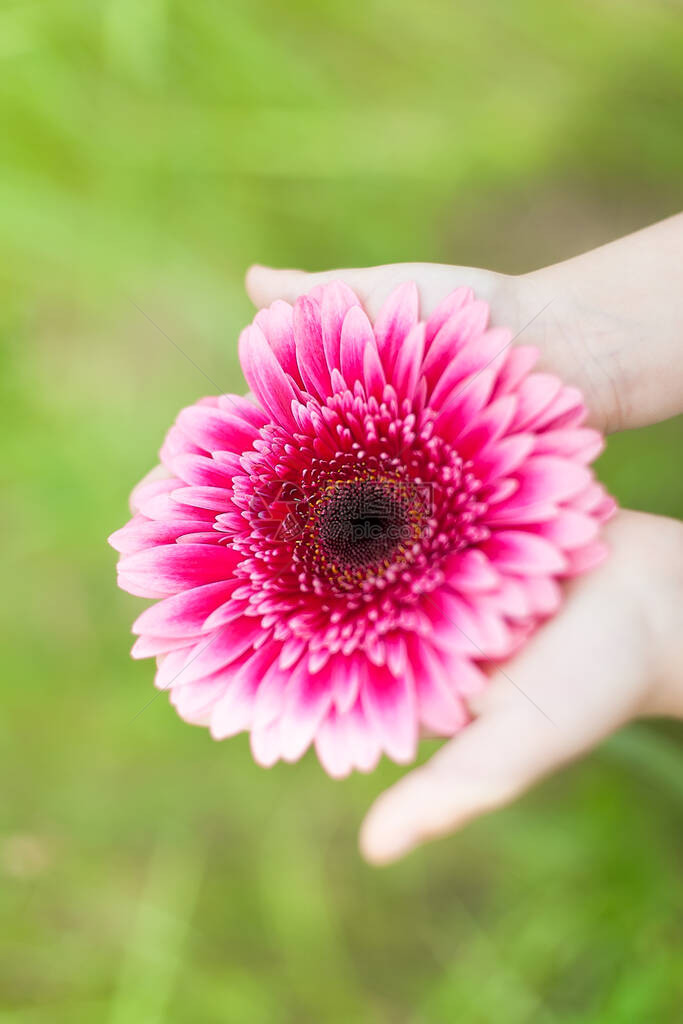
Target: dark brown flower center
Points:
(360, 526)
(363, 523)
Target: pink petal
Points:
(134, 586)
(394, 323)
(582, 444)
(310, 354)
(535, 394)
(226, 612)
(150, 646)
(518, 363)
(277, 325)
(234, 712)
(503, 456)
(337, 299)
(397, 654)
(468, 679)
(164, 507)
(511, 513)
(270, 697)
(455, 673)
(201, 537)
(292, 649)
(543, 594)
(308, 699)
(389, 703)
(606, 509)
(362, 741)
(373, 371)
(345, 679)
(488, 350)
(465, 326)
(214, 430)
(200, 471)
(266, 744)
(471, 572)
(444, 311)
(242, 406)
(177, 443)
(465, 403)
(439, 709)
(524, 553)
(141, 533)
(570, 530)
(332, 747)
(409, 363)
(229, 463)
(212, 653)
(545, 478)
(194, 703)
(265, 376)
(512, 596)
(215, 499)
(147, 489)
(566, 411)
(174, 567)
(172, 664)
(185, 613)
(489, 426)
(587, 558)
(589, 499)
(478, 628)
(495, 491)
(356, 335)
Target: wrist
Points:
(578, 342)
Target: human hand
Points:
(607, 322)
(612, 653)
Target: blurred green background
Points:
(152, 149)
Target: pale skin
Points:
(611, 322)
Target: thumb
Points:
(266, 284)
(495, 759)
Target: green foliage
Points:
(152, 149)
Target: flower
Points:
(337, 559)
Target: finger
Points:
(266, 284)
(493, 762)
(373, 285)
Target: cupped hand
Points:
(613, 653)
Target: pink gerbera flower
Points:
(338, 558)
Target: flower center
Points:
(363, 523)
(358, 526)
